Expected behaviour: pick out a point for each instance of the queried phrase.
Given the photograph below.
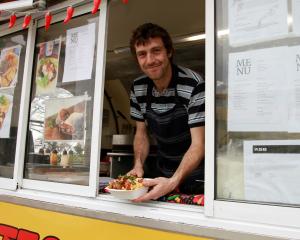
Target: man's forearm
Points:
(191, 160)
(141, 149)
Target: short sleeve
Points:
(135, 109)
(196, 107)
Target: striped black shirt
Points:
(190, 90)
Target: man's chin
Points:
(154, 77)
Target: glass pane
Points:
(60, 125)
(257, 101)
(12, 57)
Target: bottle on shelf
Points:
(64, 161)
(53, 158)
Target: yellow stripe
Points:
(69, 227)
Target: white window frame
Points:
(12, 183)
(17, 4)
(92, 189)
(281, 216)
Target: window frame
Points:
(91, 189)
(283, 216)
(12, 183)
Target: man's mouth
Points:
(153, 67)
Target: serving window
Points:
(58, 147)
(188, 35)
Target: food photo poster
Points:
(9, 66)
(47, 67)
(65, 119)
(6, 103)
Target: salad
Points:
(47, 71)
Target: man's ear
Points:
(170, 54)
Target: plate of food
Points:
(127, 187)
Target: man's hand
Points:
(136, 171)
(161, 186)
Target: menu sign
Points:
(296, 16)
(271, 171)
(256, 91)
(80, 47)
(252, 21)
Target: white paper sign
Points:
(252, 21)
(80, 47)
(257, 92)
(271, 171)
(293, 70)
(6, 104)
(296, 16)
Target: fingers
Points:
(152, 195)
(136, 172)
(150, 182)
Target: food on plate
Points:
(8, 69)
(47, 71)
(126, 182)
(74, 124)
(2, 117)
(4, 106)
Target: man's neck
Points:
(163, 83)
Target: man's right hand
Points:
(136, 171)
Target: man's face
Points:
(153, 59)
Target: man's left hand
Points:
(160, 187)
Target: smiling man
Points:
(169, 102)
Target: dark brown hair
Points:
(144, 32)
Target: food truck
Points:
(65, 129)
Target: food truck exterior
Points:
(65, 127)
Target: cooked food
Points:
(75, 119)
(4, 106)
(8, 69)
(4, 103)
(126, 182)
(47, 71)
(66, 128)
(2, 117)
(73, 125)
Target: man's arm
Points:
(193, 157)
(191, 160)
(141, 148)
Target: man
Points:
(169, 102)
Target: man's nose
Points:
(150, 59)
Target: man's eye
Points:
(141, 54)
(157, 50)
